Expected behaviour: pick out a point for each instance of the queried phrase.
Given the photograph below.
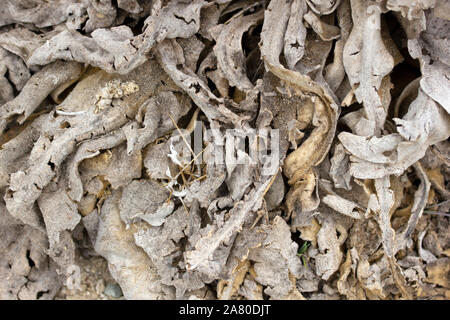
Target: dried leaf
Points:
(228, 49)
(128, 264)
(213, 245)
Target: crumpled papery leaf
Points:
(25, 268)
(392, 154)
(100, 163)
(339, 204)
(340, 168)
(295, 36)
(425, 254)
(163, 245)
(59, 213)
(238, 268)
(41, 13)
(36, 93)
(325, 31)
(230, 58)
(153, 209)
(329, 239)
(277, 252)
(212, 246)
(301, 160)
(435, 64)
(26, 186)
(154, 121)
(23, 42)
(171, 57)
(385, 202)
(367, 61)
(410, 9)
(17, 72)
(313, 64)
(136, 273)
(116, 49)
(323, 7)
(101, 14)
(227, 149)
(438, 272)
(303, 196)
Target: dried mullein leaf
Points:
(155, 119)
(246, 240)
(276, 18)
(342, 205)
(149, 208)
(425, 254)
(209, 17)
(410, 9)
(59, 213)
(335, 72)
(136, 274)
(329, 239)
(348, 282)
(313, 150)
(326, 111)
(171, 58)
(393, 153)
(205, 191)
(386, 200)
(251, 290)
(303, 196)
(156, 161)
(19, 278)
(164, 246)
(226, 289)
(420, 201)
(241, 177)
(229, 52)
(438, 272)
(101, 15)
(116, 49)
(340, 168)
(192, 48)
(213, 246)
(26, 185)
(432, 51)
(367, 60)
(6, 89)
(130, 5)
(274, 197)
(365, 221)
(323, 7)
(118, 168)
(313, 62)
(41, 13)
(36, 90)
(71, 45)
(23, 42)
(18, 73)
(326, 31)
(88, 149)
(294, 38)
(276, 260)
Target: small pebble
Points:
(113, 290)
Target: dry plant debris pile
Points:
(95, 96)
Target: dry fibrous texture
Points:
(228, 149)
